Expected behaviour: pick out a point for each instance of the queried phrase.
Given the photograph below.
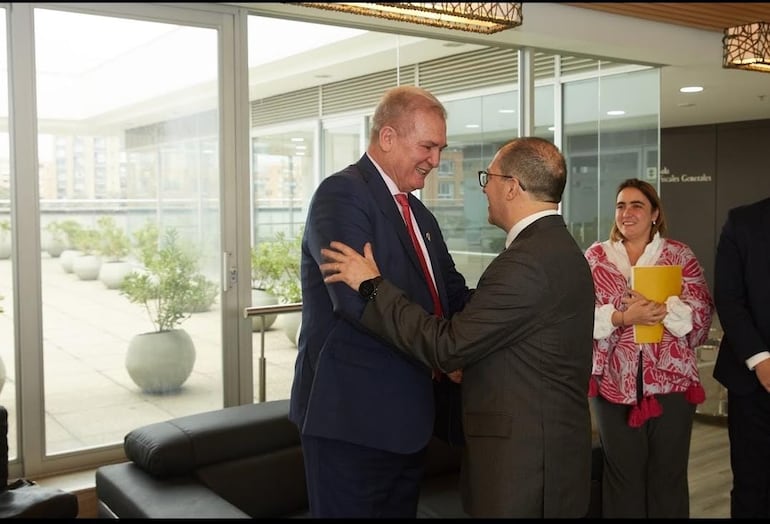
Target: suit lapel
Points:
(389, 209)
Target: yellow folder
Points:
(656, 283)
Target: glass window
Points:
(7, 338)
(129, 135)
(610, 134)
(128, 156)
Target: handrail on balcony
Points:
(262, 311)
(253, 311)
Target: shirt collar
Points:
(617, 254)
(388, 181)
(519, 226)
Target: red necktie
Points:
(403, 200)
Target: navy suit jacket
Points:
(742, 294)
(349, 384)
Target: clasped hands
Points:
(345, 264)
(640, 310)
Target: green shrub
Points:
(114, 244)
(275, 267)
(168, 283)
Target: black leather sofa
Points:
(25, 499)
(238, 462)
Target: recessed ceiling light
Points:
(691, 89)
(506, 111)
(552, 128)
(472, 126)
(616, 112)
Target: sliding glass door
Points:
(124, 242)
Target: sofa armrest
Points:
(127, 491)
(181, 445)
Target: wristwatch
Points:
(368, 288)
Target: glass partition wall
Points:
(129, 144)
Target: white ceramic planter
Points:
(87, 267)
(160, 362)
(260, 297)
(112, 273)
(67, 257)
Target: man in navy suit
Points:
(366, 412)
(742, 299)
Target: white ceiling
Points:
(688, 56)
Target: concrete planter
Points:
(159, 362)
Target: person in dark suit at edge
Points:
(523, 341)
(366, 413)
(742, 299)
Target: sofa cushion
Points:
(270, 485)
(181, 445)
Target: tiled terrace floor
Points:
(90, 398)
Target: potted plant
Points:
(260, 296)
(69, 229)
(203, 294)
(160, 361)
(57, 239)
(5, 239)
(87, 265)
(114, 246)
(275, 268)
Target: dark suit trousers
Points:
(347, 480)
(748, 423)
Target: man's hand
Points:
(344, 264)
(456, 376)
(763, 374)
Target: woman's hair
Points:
(659, 225)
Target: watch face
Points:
(366, 289)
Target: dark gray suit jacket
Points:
(524, 340)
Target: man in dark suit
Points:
(742, 299)
(365, 412)
(523, 340)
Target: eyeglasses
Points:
(484, 178)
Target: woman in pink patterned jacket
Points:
(643, 396)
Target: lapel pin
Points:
(427, 235)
